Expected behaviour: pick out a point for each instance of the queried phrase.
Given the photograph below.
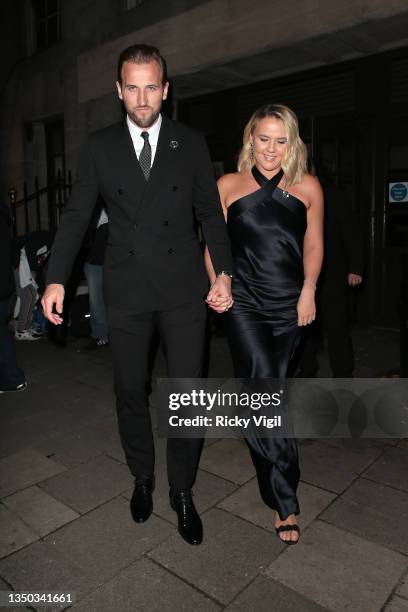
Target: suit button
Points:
(131, 252)
(166, 223)
(175, 187)
(170, 251)
(135, 226)
(120, 191)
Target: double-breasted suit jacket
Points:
(153, 259)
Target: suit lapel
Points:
(129, 175)
(163, 159)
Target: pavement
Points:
(64, 511)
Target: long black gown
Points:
(267, 229)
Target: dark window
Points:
(127, 5)
(47, 23)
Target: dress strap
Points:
(263, 181)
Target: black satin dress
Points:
(267, 229)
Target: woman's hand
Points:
(306, 308)
(219, 297)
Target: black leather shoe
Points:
(190, 526)
(141, 504)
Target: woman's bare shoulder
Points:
(309, 185)
(310, 181)
(230, 180)
(231, 183)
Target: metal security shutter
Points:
(318, 96)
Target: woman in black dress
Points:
(274, 212)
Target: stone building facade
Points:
(343, 66)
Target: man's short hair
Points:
(142, 54)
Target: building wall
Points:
(45, 84)
(75, 78)
(218, 31)
(216, 45)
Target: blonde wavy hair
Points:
(294, 161)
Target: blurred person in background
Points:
(343, 268)
(11, 375)
(28, 294)
(93, 269)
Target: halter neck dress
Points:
(267, 229)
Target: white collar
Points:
(135, 131)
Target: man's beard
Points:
(145, 121)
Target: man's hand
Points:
(354, 279)
(54, 294)
(219, 297)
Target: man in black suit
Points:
(156, 178)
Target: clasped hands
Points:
(219, 297)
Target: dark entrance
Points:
(55, 152)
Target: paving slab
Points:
(391, 468)
(5, 587)
(232, 554)
(49, 391)
(42, 567)
(82, 444)
(25, 468)
(339, 570)
(267, 595)
(99, 376)
(40, 511)
(90, 484)
(83, 555)
(22, 435)
(319, 464)
(209, 441)
(14, 533)
(247, 503)
(106, 540)
(397, 604)
(145, 587)
(40, 419)
(36, 429)
(229, 459)
(403, 588)
(374, 512)
(359, 444)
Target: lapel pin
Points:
(174, 144)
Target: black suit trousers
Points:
(182, 334)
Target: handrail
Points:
(57, 194)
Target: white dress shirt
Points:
(103, 218)
(138, 142)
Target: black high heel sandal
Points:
(288, 528)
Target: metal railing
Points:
(41, 209)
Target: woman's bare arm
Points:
(312, 249)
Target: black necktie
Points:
(145, 158)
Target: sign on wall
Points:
(398, 192)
